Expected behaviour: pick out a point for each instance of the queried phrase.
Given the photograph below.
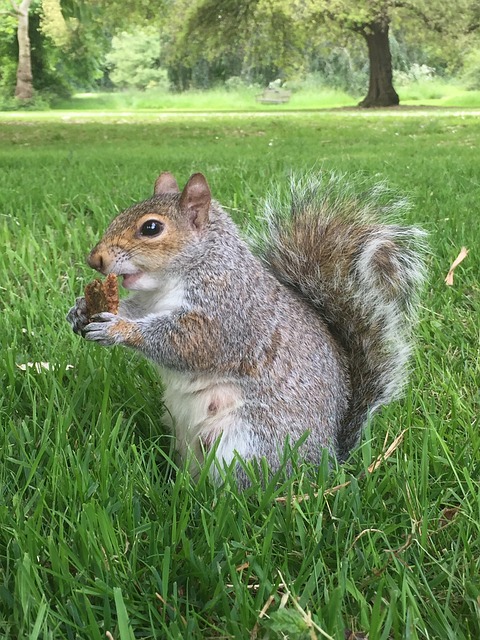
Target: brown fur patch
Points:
(384, 262)
(130, 334)
(247, 368)
(272, 350)
(332, 247)
(195, 339)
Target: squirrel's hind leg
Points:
(219, 451)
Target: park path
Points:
(119, 117)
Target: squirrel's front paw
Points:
(77, 316)
(108, 329)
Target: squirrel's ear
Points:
(165, 183)
(195, 200)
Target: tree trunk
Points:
(24, 87)
(380, 90)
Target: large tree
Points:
(219, 25)
(61, 43)
(372, 21)
(53, 26)
(24, 81)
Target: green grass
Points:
(429, 93)
(211, 100)
(439, 94)
(434, 92)
(98, 531)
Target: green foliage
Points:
(95, 518)
(134, 60)
(39, 102)
(47, 78)
(53, 23)
(200, 44)
(8, 48)
(82, 61)
(268, 39)
(289, 623)
(341, 68)
(419, 73)
(65, 49)
(471, 69)
(224, 99)
(258, 41)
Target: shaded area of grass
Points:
(430, 93)
(98, 531)
(435, 92)
(209, 100)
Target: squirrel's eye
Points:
(151, 228)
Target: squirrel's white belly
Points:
(202, 408)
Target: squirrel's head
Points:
(145, 239)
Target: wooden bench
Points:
(274, 96)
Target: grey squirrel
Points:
(308, 332)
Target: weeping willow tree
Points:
(279, 30)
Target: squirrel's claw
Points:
(108, 329)
(77, 316)
(104, 316)
(102, 329)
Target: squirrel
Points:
(306, 331)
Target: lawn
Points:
(433, 92)
(100, 535)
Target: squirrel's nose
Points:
(95, 260)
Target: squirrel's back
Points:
(336, 243)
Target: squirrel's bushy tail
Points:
(335, 241)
